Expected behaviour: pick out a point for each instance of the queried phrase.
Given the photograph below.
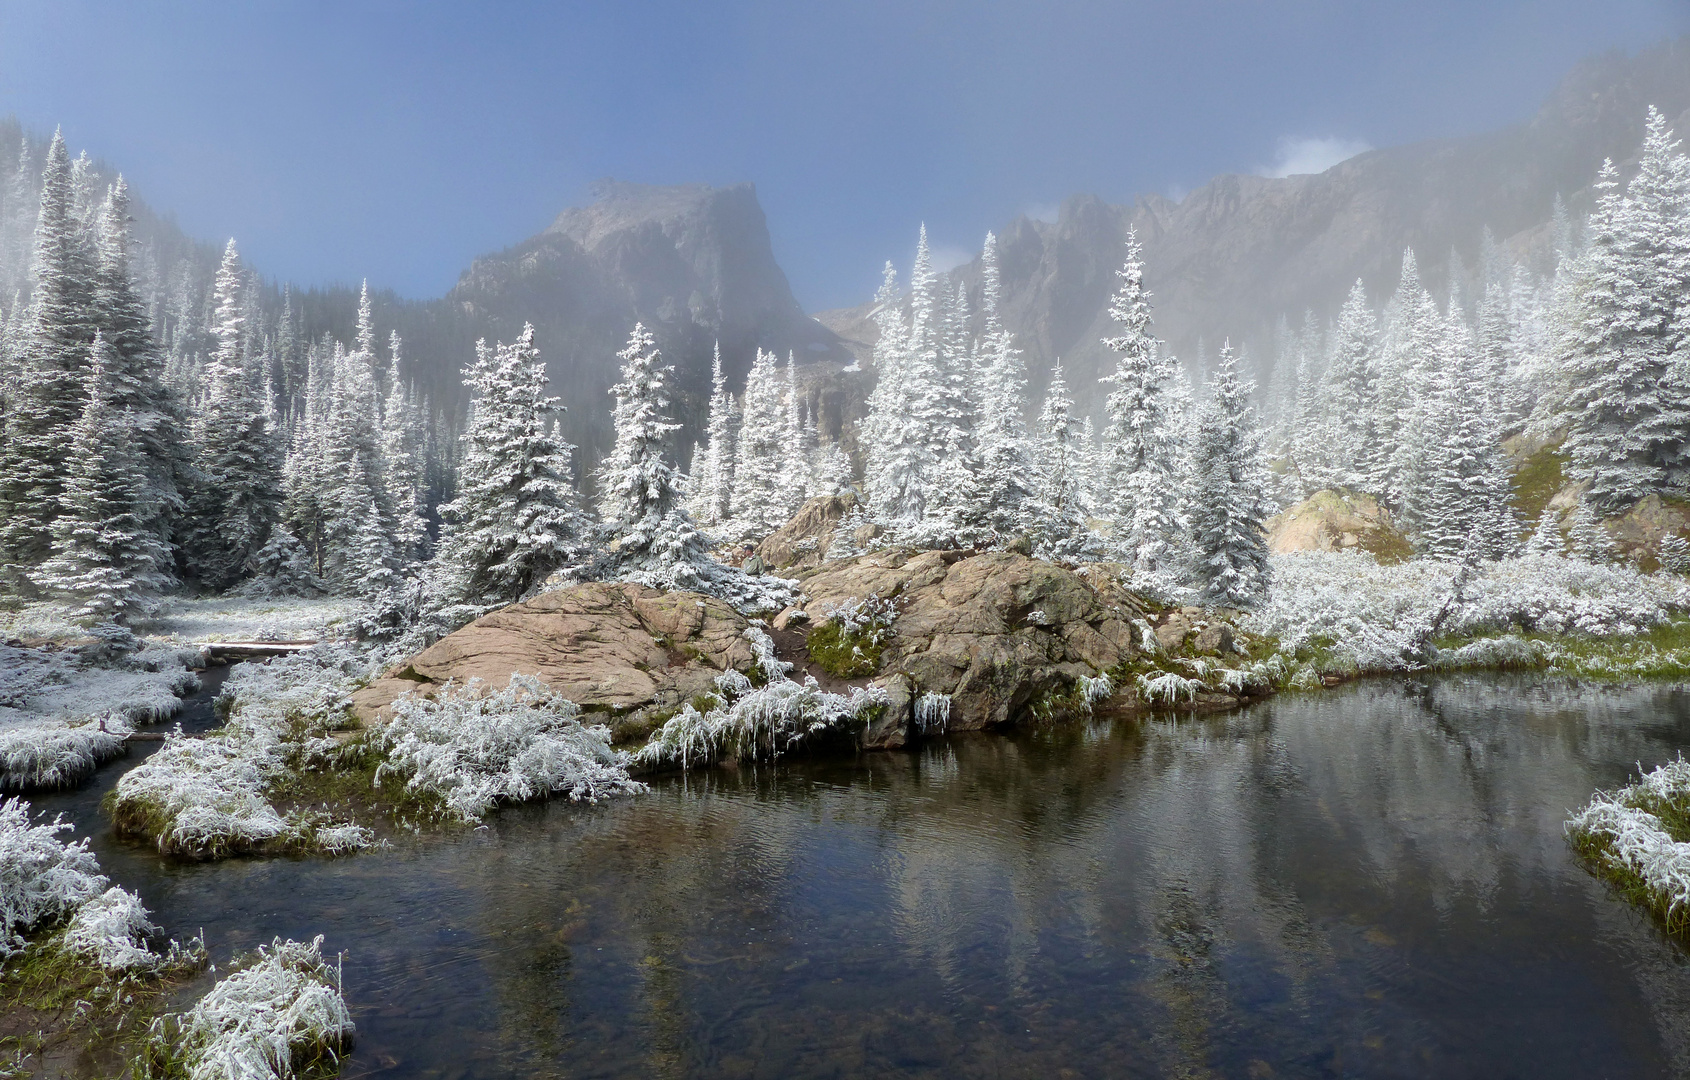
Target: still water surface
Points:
(1370, 881)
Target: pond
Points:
(1369, 881)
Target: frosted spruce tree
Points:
(1228, 506)
(516, 518)
(1142, 472)
(106, 556)
(404, 465)
(896, 453)
(1358, 456)
(713, 477)
(136, 376)
(1620, 355)
(1465, 494)
(648, 536)
(237, 494)
(647, 532)
(1061, 475)
(761, 487)
(1008, 472)
(49, 371)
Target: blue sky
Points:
(399, 140)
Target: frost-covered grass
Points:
(227, 618)
(757, 723)
(852, 636)
(207, 797)
(279, 1015)
(470, 749)
(1343, 613)
(77, 950)
(1639, 838)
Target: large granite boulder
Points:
(630, 651)
(999, 633)
(1329, 521)
(802, 543)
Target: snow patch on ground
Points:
(245, 619)
(66, 710)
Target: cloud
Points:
(1298, 156)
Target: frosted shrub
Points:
(42, 878)
(757, 723)
(1675, 554)
(1094, 690)
(112, 930)
(852, 636)
(280, 1017)
(933, 711)
(473, 749)
(1380, 618)
(1624, 835)
(203, 797)
(1168, 688)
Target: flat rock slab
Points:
(612, 646)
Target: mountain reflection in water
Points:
(1370, 881)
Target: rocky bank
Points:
(1004, 636)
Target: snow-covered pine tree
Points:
(1142, 471)
(1586, 537)
(649, 537)
(1311, 434)
(105, 555)
(1060, 475)
(50, 371)
(1627, 408)
(714, 478)
(795, 450)
(1410, 357)
(893, 450)
(1228, 508)
(1359, 458)
(404, 470)
(516, 517)
(1008, 471)
(1465, 495)
(1546, 537)
(831, 472)
(945, 380)
(1494, 337)
(136, 375)
(236, 494)
(357, 556)
(759, 476)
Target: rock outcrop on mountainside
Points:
(693, 263)
(1004, 637)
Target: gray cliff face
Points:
(692, 263)
(1235, 255)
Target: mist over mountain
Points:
(1237, 254)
